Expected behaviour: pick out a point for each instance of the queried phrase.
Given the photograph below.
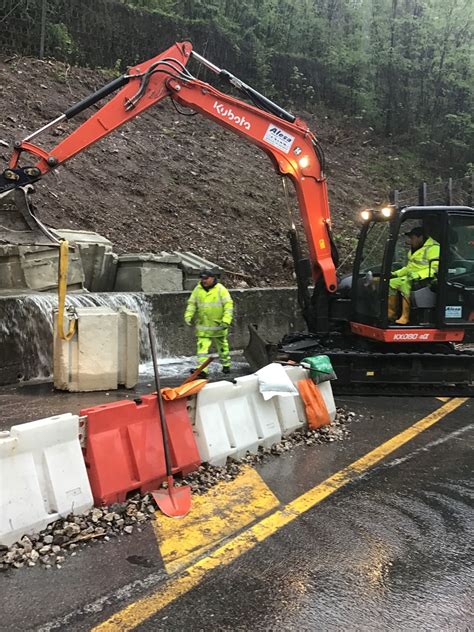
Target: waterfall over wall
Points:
(26, 328)
(26, 340)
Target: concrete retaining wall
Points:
(26, 338)
(274, 310)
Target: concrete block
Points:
(128, 347)
(36, 268)
(11, 273)
(191, 265)
(149, 273)
(89, 362)
(98, 259)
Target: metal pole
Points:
(449, 192)
(205, 62)
(423, 194)
(395, 198)
(43, 28)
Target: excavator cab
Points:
(366, 348)
(442, 303)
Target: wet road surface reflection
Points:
(390, 551)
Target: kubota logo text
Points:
(227, 113)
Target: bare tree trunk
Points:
(43, 28)
(391, 75)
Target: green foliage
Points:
(403, 67)
(60, 41)
(300, 91)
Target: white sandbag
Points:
(273, 381)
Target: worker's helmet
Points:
(417, 230)
(207, 272)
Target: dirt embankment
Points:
(165, 181)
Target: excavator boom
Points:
(287, 140)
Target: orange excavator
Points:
(346, 319)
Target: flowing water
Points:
(29, 320)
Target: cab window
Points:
(461, 251)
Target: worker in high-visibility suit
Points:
(210, 308)
(423, 263)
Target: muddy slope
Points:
(167, 181)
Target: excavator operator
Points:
(211, 308)
(423, 261)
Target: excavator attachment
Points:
(259, 352)
(19, 225)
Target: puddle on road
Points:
(180, 367)
(37, 399)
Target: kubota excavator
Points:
(347, 321)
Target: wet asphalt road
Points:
(29, 401)
(391, 550)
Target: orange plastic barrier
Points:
(124, 446)
(315, 406)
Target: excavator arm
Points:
(289, 143)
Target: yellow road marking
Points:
(137, 612)
(225, 509)
(443, 399)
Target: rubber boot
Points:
(405, 317)
(392, 306)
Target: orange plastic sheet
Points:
(185, 390)
(315, 406)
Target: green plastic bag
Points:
(320, 368)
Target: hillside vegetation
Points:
(165, 182)
(385, 84)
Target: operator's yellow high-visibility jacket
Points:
(422, 264)
(210, 310)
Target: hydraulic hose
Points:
(62, 290)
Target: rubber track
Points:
(455, 358)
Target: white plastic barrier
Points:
(233, 419)
(325, 389)
(264, 416)
(42, 476)
(290, 410)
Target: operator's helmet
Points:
(417, 230)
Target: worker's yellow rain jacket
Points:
(422, 264)
(210, 310)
